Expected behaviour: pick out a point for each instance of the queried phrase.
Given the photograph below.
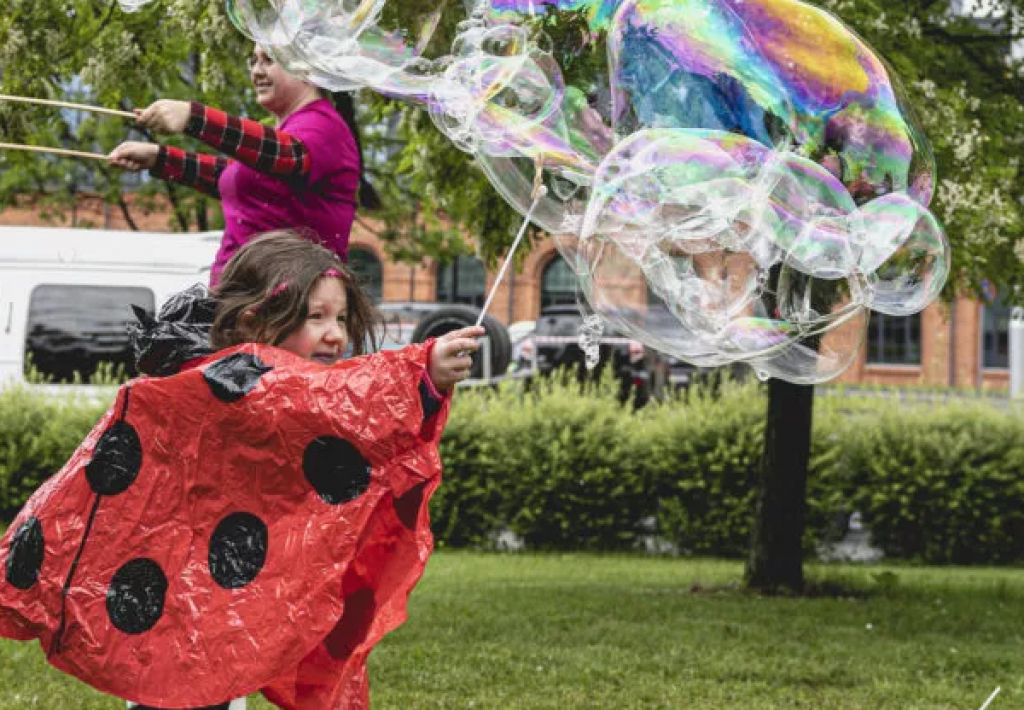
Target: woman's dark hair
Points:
(346, 108)
(264, 290)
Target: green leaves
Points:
(566, 469)
(967, 90)
(94, 53)
(961, 81)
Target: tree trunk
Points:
(776, 550)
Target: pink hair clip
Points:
(333, 272)
(277, 290)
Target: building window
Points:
(368, 270)
(557, 284)
(73, 329)
(995, 333)
(465, 281)
(894, 340)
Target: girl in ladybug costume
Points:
(255, 516)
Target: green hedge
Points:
(566, 469)
(37, 435)
(936, 481)
(941, 484)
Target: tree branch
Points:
(126, 213)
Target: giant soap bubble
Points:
(767, 182)
(345, 44)
(731, 180)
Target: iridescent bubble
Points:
(344, 44)
(763, 177)
(730, 180)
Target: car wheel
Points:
(449, 318)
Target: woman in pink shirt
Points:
(305, 173)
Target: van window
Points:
(75, 328)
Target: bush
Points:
(571, 470)
(938, 484)
(553, 465)
(37, 436)
(567, 468)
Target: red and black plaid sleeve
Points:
(192, 169)
(260, 147)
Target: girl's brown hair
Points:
(264, 290)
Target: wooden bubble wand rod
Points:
(55, 151)
(65, 104)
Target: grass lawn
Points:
(513, 632)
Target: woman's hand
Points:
(164, 116)
(450, 359)
(134, 156)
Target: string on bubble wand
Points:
(539, 191)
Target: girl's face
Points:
(323, 336)
(276, 89)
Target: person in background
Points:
(305, 172)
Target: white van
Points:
(66, 294)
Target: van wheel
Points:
(449, 318)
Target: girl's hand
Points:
(164, 116)
(450, 359)
(134, 156)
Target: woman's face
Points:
(276, 89)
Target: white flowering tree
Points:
(957, 63)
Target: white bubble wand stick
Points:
(991, 698)
(539, 191)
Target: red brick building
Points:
(963, 346)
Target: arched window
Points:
(367, 268)
(557, 284)
(465, 281)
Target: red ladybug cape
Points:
(256, 522)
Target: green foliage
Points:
(938, 484)
(567, 469)
(107, 374)
(571, 469)
(560, 473)
(37, 435)
(705, 453)
(92, 52)
(965, 88)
